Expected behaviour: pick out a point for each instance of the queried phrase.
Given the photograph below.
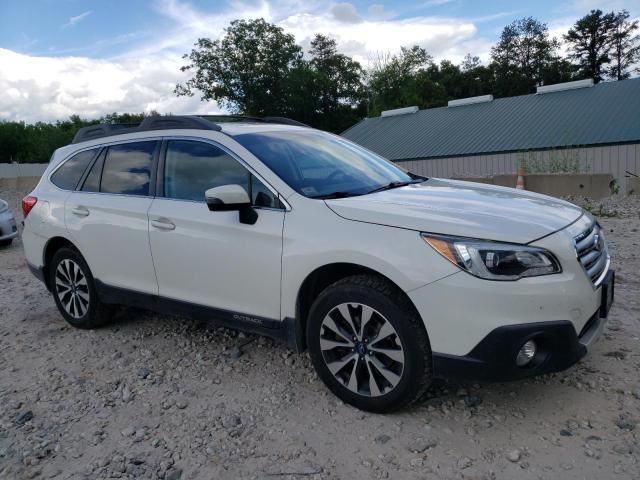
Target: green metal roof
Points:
(606, 113)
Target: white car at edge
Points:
(387, 278)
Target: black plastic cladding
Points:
(170, 122)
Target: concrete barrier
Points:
(18, 184)
(20, 177)
(595, 186)
(14, 170)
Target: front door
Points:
(210, 258)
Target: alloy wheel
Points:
(72, 288)
(362, 349)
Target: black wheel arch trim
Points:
(38, 272)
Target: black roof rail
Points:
(285, 121)
(167, 122)
(248, 118)
(232, 118)
(148, 124)
(102, 130)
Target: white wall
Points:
(613, 159)
(13, 170)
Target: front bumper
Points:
(559, 347)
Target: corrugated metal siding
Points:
(613, 159)
(604, 114)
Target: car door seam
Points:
(153, 262)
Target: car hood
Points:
(464, 209)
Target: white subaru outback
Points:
(387, 278)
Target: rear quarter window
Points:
(70, 172)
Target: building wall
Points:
(613, 159)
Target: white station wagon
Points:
(388, 279)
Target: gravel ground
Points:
(156, 396)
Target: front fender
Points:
(311, 241)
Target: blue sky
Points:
(106, 29)
(60, 57)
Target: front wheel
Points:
(74, 290)
(368, 344)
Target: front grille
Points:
(593, 254)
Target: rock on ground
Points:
(161, 397)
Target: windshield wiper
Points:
(391, 185)
(332, 195)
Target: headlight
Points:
(4, 206)
(494, 260)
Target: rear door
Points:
(107, 216)
(210, 258)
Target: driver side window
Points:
(191, 168)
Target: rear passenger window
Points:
(69, 174)
(127, 168)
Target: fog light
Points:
(526, 353)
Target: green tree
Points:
(126, 118)
(338, 81)
(590, 41)
(36, 142)
(625, 46)
(477, 79)
(470, 63)
(246, 70)
(558, 70)
(403, 80)
(521, 56)
(450, 77)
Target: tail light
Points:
(28, 203)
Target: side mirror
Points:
(231, 197)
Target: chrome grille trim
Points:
(593, 253)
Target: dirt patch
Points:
(154, 396)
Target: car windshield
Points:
(321, 165)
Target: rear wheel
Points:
(368, 344)
(74, 290)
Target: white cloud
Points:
(89, 87)
(345, 12)
(143, 78)
(360, 40)
(77, 19)
(355, 35)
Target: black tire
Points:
(6, 243)
(95, 313)
(390, 305)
